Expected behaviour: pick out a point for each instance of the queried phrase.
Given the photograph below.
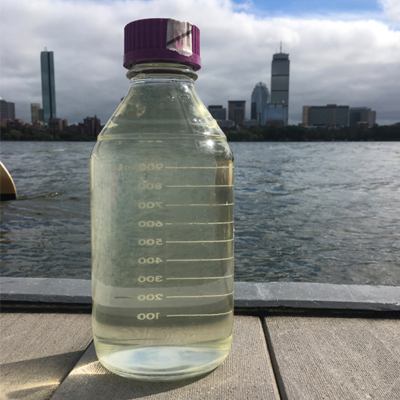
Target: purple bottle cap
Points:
(161, 39)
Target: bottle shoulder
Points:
(162, 107)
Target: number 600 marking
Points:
(150, 224)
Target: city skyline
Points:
(340, 54)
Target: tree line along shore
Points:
(289, 133)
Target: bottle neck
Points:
(161, 70)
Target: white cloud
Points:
(344, 61)
(392, 9)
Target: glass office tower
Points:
(259, 101)
(280, 81)
(48, 85)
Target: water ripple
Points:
(310, 212)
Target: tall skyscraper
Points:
(48, 85)
(280, 70)
(259, 101)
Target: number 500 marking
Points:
(150, 242)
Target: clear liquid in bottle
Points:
(162, 231)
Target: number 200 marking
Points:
(150, 297)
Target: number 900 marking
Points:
(150, 167)
(150, 260)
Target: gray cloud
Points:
(350, 61)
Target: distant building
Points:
(41, 115)
(35, 107)
(7, 110)
(218, 112)
(280, 71)
(275, 122)
(329, 115)
(362, 116)
(249, 123)
(56, 125)
(48, 86)
(236, 111)
(92, 126)
(226, 124)
(13, 123)
(276, 115)
(305, 116)
(259, 101)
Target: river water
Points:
(305, 212)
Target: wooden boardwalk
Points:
(50, 355)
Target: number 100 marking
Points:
(148, 316)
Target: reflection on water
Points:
(48, 227)
(313, 212)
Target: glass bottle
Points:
(162, 217)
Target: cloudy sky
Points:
(344, 52)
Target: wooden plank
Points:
(335, 358)
(245, 374)
(38, 351)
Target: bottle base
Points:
(167, 363)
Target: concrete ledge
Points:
(46, 290)
(302, 295)
(248, 295)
